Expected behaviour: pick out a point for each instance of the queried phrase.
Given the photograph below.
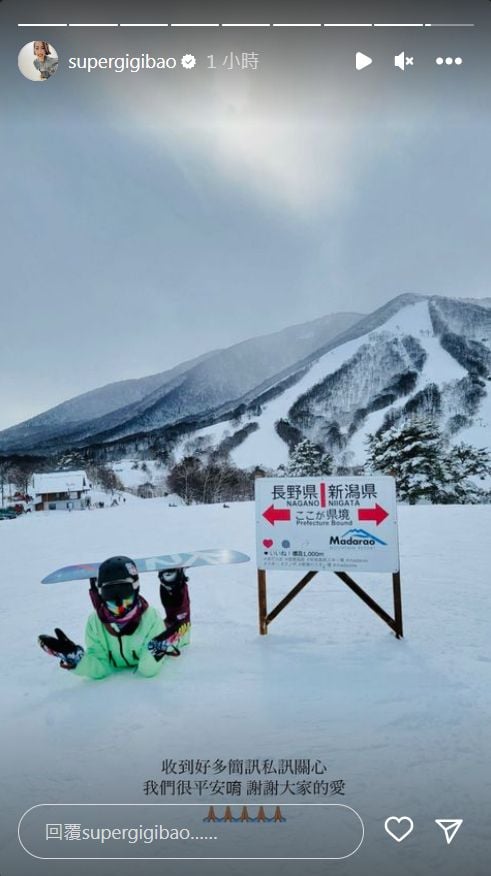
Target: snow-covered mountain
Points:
(415, 355)
(193, 387)
(77, 414)
(333, 381)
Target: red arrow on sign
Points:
(274, 515)
(377, 514)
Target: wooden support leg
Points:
(396, 584)
(289, 596)
(263, 605)
(368, 601)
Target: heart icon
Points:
(268, 542)
(402, 827)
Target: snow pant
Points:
(175, 599)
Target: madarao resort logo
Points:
(356, 538)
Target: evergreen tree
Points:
(412, 452)
(424, 467)
(308, 460)
(463, 463)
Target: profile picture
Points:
(38, 60)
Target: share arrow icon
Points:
(450, 826)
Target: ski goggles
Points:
(116, 590)
(168, 576)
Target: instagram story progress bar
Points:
(261, 24)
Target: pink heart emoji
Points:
(268, 542)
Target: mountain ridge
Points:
(331, 380)
(61, 426)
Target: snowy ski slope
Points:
(405, 724)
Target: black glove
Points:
(61, 646)
(165, 643)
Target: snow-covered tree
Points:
(22, 473)
(464, 464)
(307, 459)
(104, 477)
(425, 467)
(5, 477)
(212, 480)
(412, 452)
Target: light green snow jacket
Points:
(105, 654)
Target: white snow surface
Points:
(132, 477)
(404, 723)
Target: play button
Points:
(362, 61)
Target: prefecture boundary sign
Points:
(338, 524)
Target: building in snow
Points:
(60, 490)
(146, 491)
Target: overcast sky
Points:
(149, 219)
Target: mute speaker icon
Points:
(402, 61)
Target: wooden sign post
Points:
(265, 617)
(334, 524)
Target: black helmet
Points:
(117, 579)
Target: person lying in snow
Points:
(124, 631)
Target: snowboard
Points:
(213, 557)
